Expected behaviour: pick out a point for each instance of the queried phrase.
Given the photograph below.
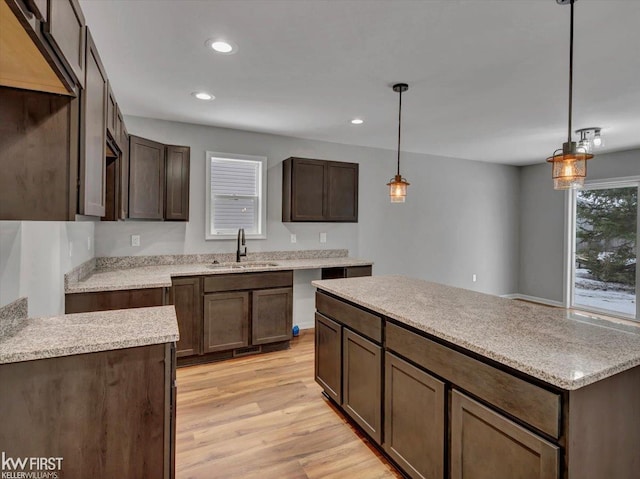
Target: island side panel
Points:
(104, 413)
(604, 428)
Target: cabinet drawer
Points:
(355, 318)
(528, 402)
(241, 281)
(486, 444)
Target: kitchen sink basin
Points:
(248, 265)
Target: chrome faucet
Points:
(241, 240)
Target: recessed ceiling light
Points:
(357, 121)
(222, 46)
(201, 95)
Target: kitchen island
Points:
(454, 383)
(94, 393)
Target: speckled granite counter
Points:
(160, 275)
(66, 335)
(543, 342)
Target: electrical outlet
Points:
(474, 278)
(294, 239)
(88, 243)
(323, 237)
(135, 240)
(70, 249)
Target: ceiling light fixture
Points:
(222, 46)
(590, 138)
(569, 164)
(398, 185)
(201, 95)
(357, 121)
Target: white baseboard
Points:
(534, 299)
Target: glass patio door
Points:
(605, 249)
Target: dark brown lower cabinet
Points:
(486, 445)
(414, 431)
(106, 414)
(362, 382)
(186, 297)
(451, 415)
(109, 300)
(346, 272)
(271, 315)
(328, 357)
(226, 321)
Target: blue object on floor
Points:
(296, 330)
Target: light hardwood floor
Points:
(264, 417)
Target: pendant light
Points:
(398, 185)
(569, 164)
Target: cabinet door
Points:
(342, 192)
(146, 178)
(226, 321)
(177, 190)
(271, 315)
(486, 445)
(65, 30)
(328, 360)
(414, 431)
(307, 190)
(361, 382)
(187, 299)
(93, 135)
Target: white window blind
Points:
(236, 196)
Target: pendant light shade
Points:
(398, 185)
(569, 164)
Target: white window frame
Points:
(570, 245)
(262, 196)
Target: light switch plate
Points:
(294, 239)
(135, 240)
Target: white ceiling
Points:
(487, 79)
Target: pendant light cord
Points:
(570, 73)
(399, 125)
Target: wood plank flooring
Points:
(264, 417)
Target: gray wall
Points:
(542, 221)
(35, 255)
(460, 217)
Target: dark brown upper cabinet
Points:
(176, 202)
(38, 155)
(65, 30)
(319, 190)
(158, 180)
(146, 178)
(43, 45)
(93, 129)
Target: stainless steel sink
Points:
(247, 265)
(255, 265)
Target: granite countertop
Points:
(551, 344)
(157, 276)
(66, 335)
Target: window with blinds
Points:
(235, 200)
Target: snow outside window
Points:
(236, 196)
(604, 220)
